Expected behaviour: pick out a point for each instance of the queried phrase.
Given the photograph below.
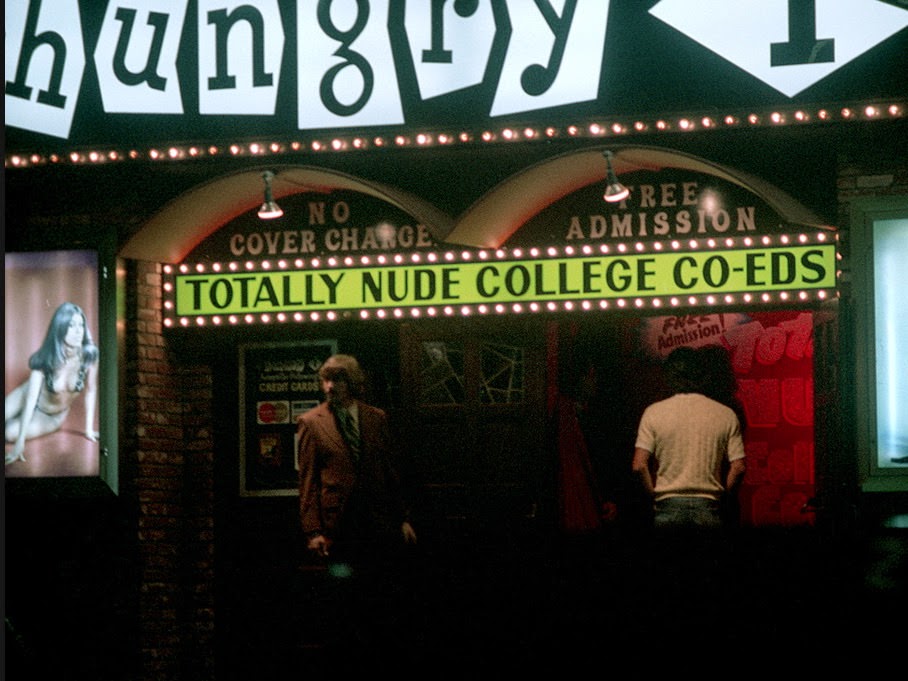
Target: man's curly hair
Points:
(344, 367)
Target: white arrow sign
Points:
(788, 44)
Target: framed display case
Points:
(880, 251)
(278, 383)
(60, 375)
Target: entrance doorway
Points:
(474, 419)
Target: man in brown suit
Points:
(354, 518)
(351, 505)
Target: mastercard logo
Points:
(273, 412)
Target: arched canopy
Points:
(502, 211)
(186, 221)
(182, 224)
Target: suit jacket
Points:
(342, 498)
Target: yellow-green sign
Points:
(472, 282)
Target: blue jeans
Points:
(694, 512)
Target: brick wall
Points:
(873, 173)
(168, 472)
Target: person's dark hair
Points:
(720, 382)
(684, 370)
(50, 356)
(344, 367)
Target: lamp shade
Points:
(270, 210)
(615, 192)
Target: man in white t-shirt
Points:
(692, 440)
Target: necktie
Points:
(349, 431)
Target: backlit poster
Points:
(890, 253)
(52, 360)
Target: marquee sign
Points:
(132, 71)
(771, 269)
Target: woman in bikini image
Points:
(65, 366)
